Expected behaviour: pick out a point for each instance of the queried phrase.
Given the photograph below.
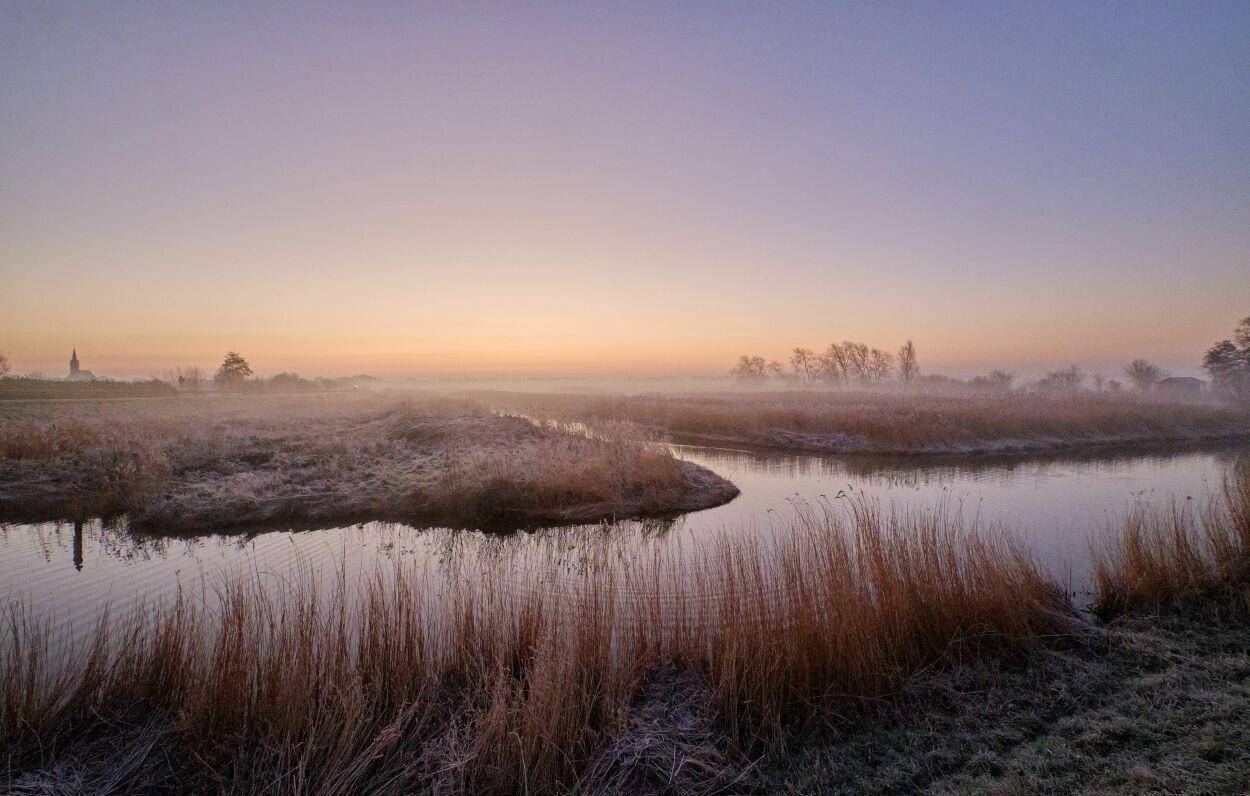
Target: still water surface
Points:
(70, 570)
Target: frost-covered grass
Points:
(214, 461)
(897, 422)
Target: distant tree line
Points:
(852, 363)
(235, 373)
(843, 363)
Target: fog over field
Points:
(624, 398)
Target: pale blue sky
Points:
(638, 186)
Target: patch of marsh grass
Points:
(480, 687)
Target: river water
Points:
(1054, 503)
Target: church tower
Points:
(73, 363)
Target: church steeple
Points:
(73, 362)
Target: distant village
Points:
(234, 375)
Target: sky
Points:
(620, 188)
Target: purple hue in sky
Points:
(626, 187)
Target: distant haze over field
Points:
(620, 189)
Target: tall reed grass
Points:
(482, 687)
(1177, 556)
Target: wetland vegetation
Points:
(898, 422)
(882, 626)
(198, 462)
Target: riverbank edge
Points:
(700, 489)
(1151, 701)
(781, 441)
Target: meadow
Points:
(896, 422)
(213, 461)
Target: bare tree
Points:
(804, 362)
(191, 377)
(775, 368)
(5, 367)
(750, 368)
(880, 364)
(1142, 374)
(1067, 380)
(836, 363)
(860, 358)
(908, 368)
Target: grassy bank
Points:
(896, 423)
(1151, 703)
(667, 676)
(217, 461)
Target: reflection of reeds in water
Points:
(478, 686)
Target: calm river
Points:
(1053, 502)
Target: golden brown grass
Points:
(212, 461)
(902, 422)
(1179, 555)
(483, 687)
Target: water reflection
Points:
(1055, 502)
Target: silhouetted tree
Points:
(908, 368)
(1142, 374)
(1067, 380)
(860, 358)
(804, 362)
(835, 364)
(880, 364)
(750, 368)
(5, 367)
(234, 369)
(1228, 363)
(994, 381)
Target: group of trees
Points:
(840, 363)
(235, 373)
(1228, 364)
(850, 362)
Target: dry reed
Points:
(896, 423)
(483, 687)
(1176, 556)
